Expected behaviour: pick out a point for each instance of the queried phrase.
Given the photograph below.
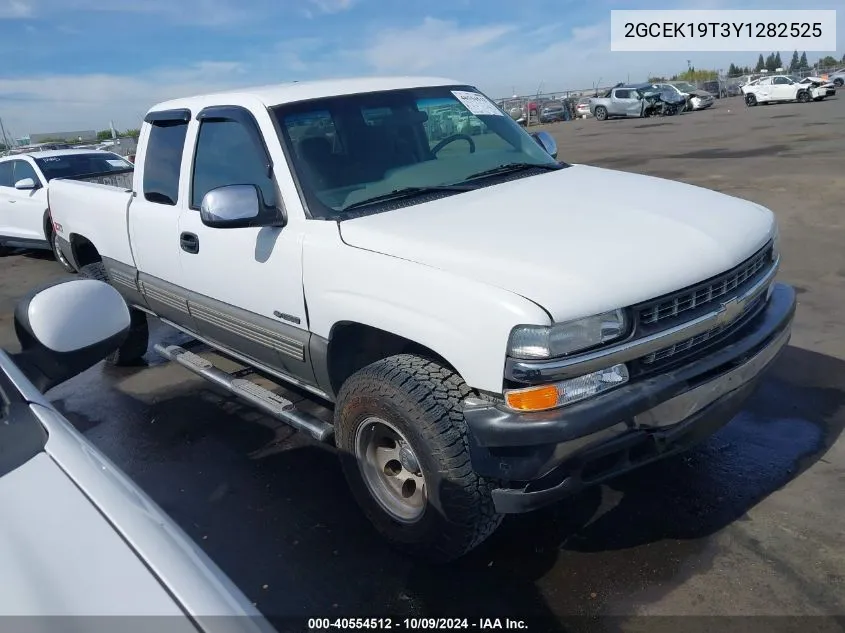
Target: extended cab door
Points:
(626, 102)
(21, 210)
(154, 216)
(245, 283)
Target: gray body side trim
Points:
(125, 279)
(319, 351)
(249, 361)
(166, 300)
(275, 344)
(279, 349)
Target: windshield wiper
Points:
(405, 192)
(509, 167)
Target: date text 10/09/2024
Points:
(417, 624)
(757, 30)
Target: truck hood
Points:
(577, 241)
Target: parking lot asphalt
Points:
(749, 523)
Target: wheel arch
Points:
(83, 250)
(353, 345)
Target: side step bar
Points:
(270, 403)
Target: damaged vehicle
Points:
(642, 100)
(819, 88)
(774, 89)
(696, 99)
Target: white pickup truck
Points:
(490, 344)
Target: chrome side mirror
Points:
(237, 206)
(546, 141)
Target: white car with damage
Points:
(489, 341)
(776, 88)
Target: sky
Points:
(78, 64)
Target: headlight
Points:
(529, 342)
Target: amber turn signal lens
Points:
(533, 398)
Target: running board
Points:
(270, 403)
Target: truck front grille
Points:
(663, 310)
(710, 336)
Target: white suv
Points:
(24, 217)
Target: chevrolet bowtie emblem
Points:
(730, 310)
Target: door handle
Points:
(190, 243)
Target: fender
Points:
(464, 321)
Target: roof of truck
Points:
(278, 94)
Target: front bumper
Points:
(546, 456)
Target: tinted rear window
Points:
(163, 161)
(75, 165)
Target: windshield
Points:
(348, 149)
(75, 165)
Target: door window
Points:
(623, 94)
(163, 161)
(6, 174)
(22, 169)
(226, 154)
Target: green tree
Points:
(693, 75)
(778, 61)
(827, 62)
(770, 62)
(803, 63)
(132, 133)
(794, 63)
(761, 64)
(103, 135)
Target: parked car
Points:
(24, 217)
(78, 537)
(776, 88)
(582, 108)
(696, 99)
(635, 101)
(552, 114)
(837, 78)
(472, 374)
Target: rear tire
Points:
(601, 113)
(406, 411)
(57, 253)
(137, 340)
(838, 82)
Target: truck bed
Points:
(96, 206)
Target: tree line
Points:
(773, 61)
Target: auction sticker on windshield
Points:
(476, 103)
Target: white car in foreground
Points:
(25, 220)
(776, 88)
(78, 537)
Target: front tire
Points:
(803, 97)
(132, 351)
(838, 82)
(404, 450)
(750, 100)
(601, 113)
